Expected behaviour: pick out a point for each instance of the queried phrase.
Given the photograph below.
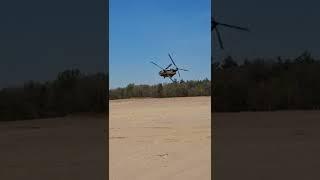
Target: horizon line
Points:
(141, 84)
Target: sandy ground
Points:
(70, 148)
(153, 139)
(267, 145)
(157, 139)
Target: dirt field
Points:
(157, 139)
(163, 139)
(267, 145)
(70, 148)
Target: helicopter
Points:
(214, 27)
(169, 73)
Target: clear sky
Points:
(145, 29)
(278, 28)
(39, 39)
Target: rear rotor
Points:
(176, 65)
(214, 27)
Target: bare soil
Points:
(267, 145)
(69, 148)
(157, 139)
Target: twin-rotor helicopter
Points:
(169, 73)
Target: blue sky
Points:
(40, 38)
(145, 29)
(277, 28)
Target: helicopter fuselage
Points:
(168, 73)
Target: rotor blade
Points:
(178, 72)
(171, 79)
(156, 65)
(183, 69)
(168, 66)
(235, 27)
(219, 38)
(172, 61)
(212, 24)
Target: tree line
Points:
(71, 92)
(255, 85)
(266, 84)
(176, 89)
